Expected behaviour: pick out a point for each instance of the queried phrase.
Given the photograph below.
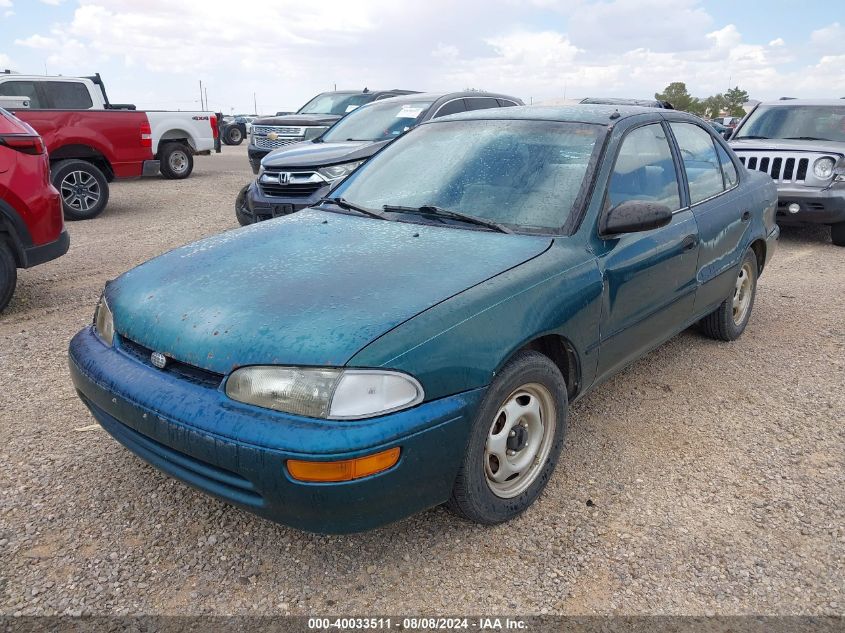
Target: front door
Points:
(649, 277)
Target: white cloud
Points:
(6, 4)
(830, 39)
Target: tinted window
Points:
(524, 174)
(698, 153)
(452, 107)
(728, 168)
(21, 89)
(644, 169)
(67, 95)
(481, 103)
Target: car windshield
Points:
(796, 122)
(377, 122)
(335, 103)
(525, 175)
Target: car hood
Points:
(790, 145)
(312, 288)
(298, 119)
(319, 154)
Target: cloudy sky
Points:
(154, 52)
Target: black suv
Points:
(298, 176)
(311, 120)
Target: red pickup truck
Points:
(90, 148)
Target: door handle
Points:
(689, 242)
(746, 215)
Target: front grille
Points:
(293, 191)
(280, 130)
(262, 142)
(782, 167)
(185, 371)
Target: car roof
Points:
(586, 113)
(437, 96)
(804, 102)
(650, 103)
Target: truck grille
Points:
(783, 167)
(283, 135)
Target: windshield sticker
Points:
(408, 112)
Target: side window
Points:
(67, 95)
(21, 89)
(481, 103)
(698, 152)
(506, 103)
(728, 168)
(644, 169)
(452, 107)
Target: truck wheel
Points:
(8, 274)
(515, 441)
(728, 321)
(84, 188)
(837, 233)
(234, 136)
(177, 161)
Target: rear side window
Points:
(506, 103)
(481, 103)
(728, 168)
(451, 107)
(645, 170)
(698, 152)
(21, 89)
(67, 95)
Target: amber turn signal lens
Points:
(344, 470)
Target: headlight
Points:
(823, 168)
(104, 322)
(337, 172)
(334, 394)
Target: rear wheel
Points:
(728, 321)
(84, 188)
(234, 136)
(177, 161)
(8, 274)
(837, 234)
(515, 441)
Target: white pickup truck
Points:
(176, 136)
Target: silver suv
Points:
(801, 145)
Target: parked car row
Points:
(91, 141)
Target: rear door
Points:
(649, 276)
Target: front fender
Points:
(459, 344)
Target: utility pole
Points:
(202, 105)
(254, 104)
(206, 99)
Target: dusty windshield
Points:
(377, 122)
(333, 103)
(526, 175)
(802, 122)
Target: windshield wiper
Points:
(439, 212)
(345, 204)
(804, 138)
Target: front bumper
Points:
(258, 207)
(255, 156)
(817, 206)
(237, 452)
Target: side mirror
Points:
(727, 134)
(633, 216)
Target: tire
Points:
(234, 136)
(837, 234)
(529, 383)
(177, 161)
(84, 188)
(8, 274)
(244, 219)
(728, 321)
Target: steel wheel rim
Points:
(235, 135)
(178, 161)
(514, 456)
(742, 293)
(80, 190)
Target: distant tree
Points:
(677, 94)
(713, 106)
(734, 98)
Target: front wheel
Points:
(84, 188)
(8, 274)
(837, 234)
(728, 321)
(177, 161)
(514, 443)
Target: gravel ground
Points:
(707, 478)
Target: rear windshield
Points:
(335, 103)
(378, 122)
(801, 122)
